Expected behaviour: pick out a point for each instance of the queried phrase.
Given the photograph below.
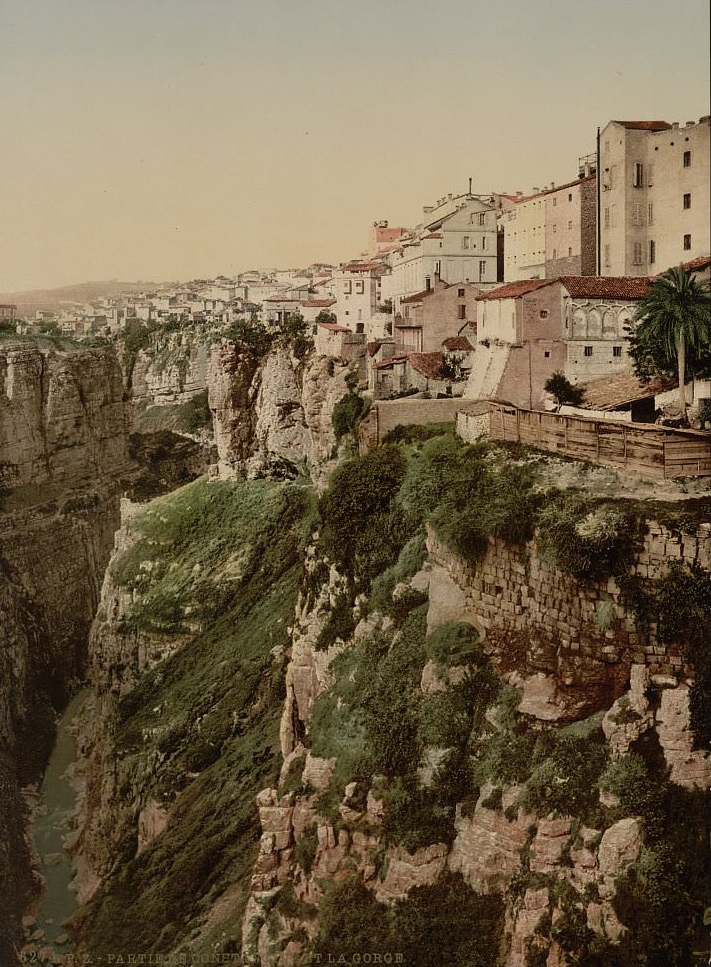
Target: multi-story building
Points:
(552, 232)
(358, 295)
(8, 311)
(653, 195)
(428, 318)
(457, 242)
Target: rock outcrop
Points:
(274, 418)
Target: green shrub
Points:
(454, 643)
(359, 490)
(305, 849)
(566, 772)
(339, 624)
(587, 539)
(346, 413)
(417, 433)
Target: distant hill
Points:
(34, 299)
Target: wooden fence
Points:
(656, 451)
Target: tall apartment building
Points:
(653, 197)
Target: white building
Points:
(456, 242)
(654, 195)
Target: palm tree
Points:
(675, 314)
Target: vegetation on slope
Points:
(218, 562)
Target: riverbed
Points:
(53, 832)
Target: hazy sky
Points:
(174, 139)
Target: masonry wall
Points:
(385, 415)
(513, 591)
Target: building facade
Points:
(653, 195)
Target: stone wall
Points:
(385, 415)
(579, 634)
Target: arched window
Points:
(580, 329)
(594, 324)
(609, 323)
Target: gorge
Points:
(417, 703)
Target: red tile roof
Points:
(460, 343)
(428, 364)
(645, 125)
(433, 235)
(333, 327)
(605, 287)
(512, 290)
(319, 303)
(612, 392)
(697, 265)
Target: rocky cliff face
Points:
(561, 872)
(63, 439)
(274, 418)
(172, 368)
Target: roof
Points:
(460, 343)
(645, 125)
(428, 364)
(319, 303)
(333, 327)
(418, 296)
(433, 235)
(605, 287)
(361, 266)
(390, 360)
(512, 290)
(613, 392)
(696, 265)
(373, 347)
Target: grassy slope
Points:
(200, 733)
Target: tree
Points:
(673, 326)
(326, 317)
(562, 390)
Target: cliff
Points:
(166, 365)
(63, 439)
(455, 717)
(273, 417)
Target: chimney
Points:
(552, 184)
(675, 125)
(470, 186)
(536, 190)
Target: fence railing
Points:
(649, 449)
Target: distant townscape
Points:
(488, 295)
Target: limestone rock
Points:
(527, 918)
(620, 846)
(152, 820)
(406, 870)
(689, 768)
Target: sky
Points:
(176, 139)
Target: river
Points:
(53, 829)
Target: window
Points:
(637, 254)
(687, 159)
(555, 253)
(482, 269)
(460, 293)
(543, 314)
(462, 312)
(607, 218)
(554, 229)
(348, 287)
(555, 202)
(360, 288)
(617, 352)
(687, 243)
(465, 241)
(687, 200)
(587, 350)
(650, 175)
(650, 214)
(481, 218)
(547, 353)
(638, 214)
(638, 175)
(570, 224)
(607, 255)
(570, 251)
(570, 196)
(360, 313)
(483, 242)
(652, 252)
